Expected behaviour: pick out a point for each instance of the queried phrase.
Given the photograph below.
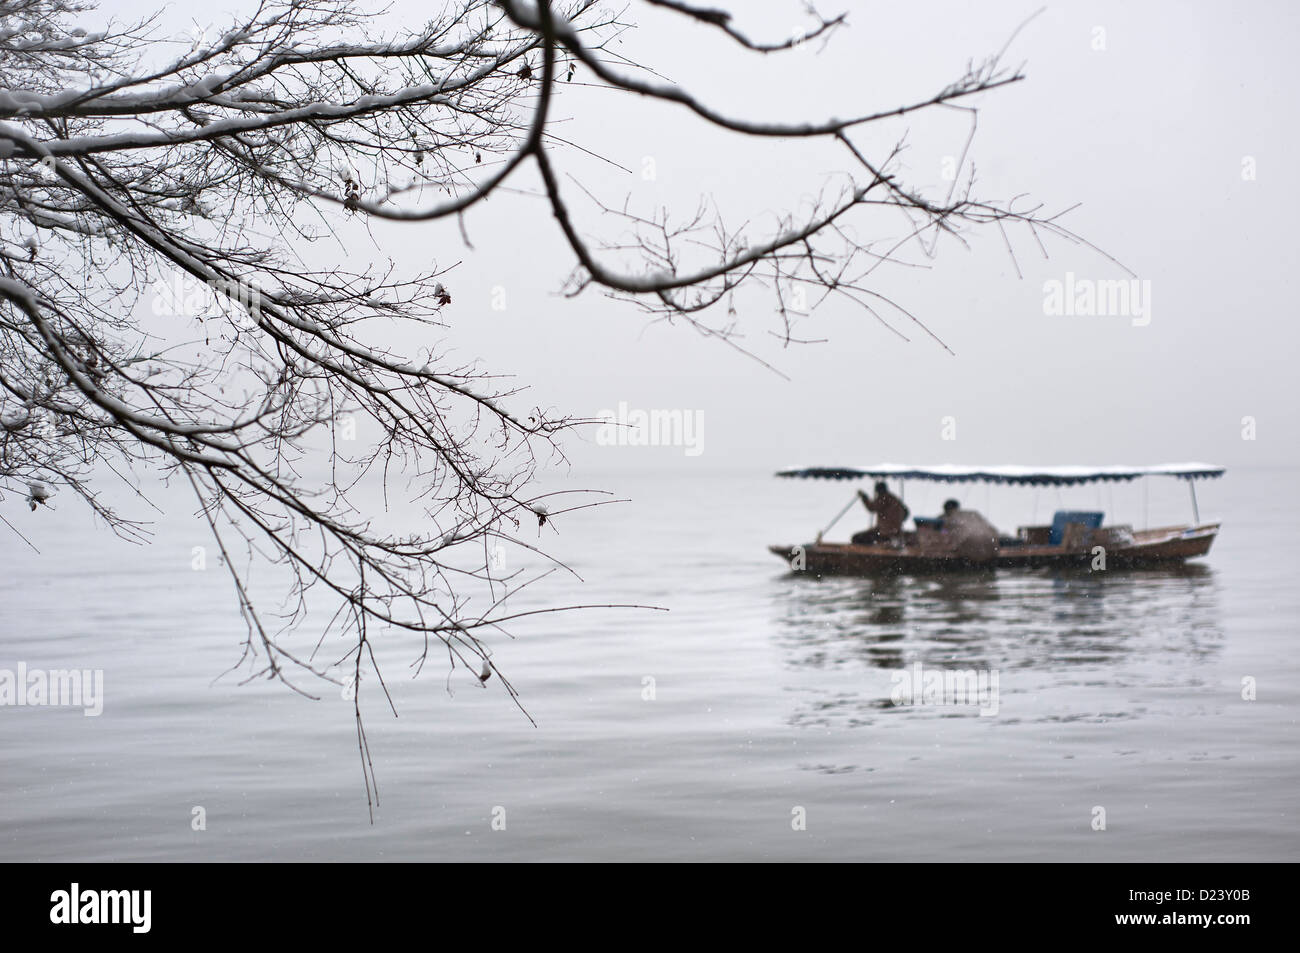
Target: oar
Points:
(838, 516)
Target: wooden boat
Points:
(1075, 538)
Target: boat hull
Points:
(1157, 547)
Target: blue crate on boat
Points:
(1063, 518)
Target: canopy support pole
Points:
(1196, 513)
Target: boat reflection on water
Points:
(1040, 630)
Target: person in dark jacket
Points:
(890, 513)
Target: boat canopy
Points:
(1019, 475)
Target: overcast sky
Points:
(1147, 114)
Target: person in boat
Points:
(967, 533)
(890, 512)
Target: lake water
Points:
(771, 699)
